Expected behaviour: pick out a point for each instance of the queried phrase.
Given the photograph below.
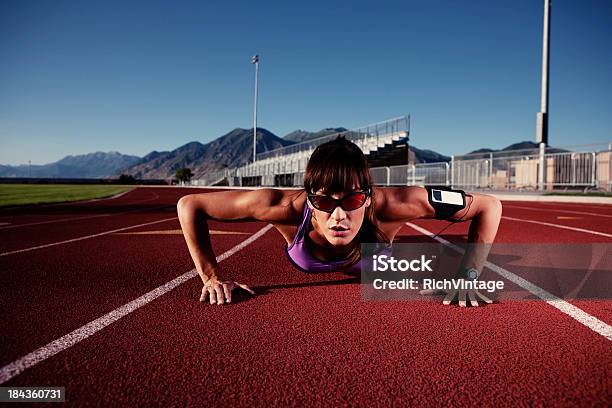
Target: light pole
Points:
(542, 117)
(255, 61)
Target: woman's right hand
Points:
(219, 291)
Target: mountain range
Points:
(91, 165)
(230, 150)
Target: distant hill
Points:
(522, 146)
(525, 145)
(482, 151)
(230, 150)
(302, 135)
(428, 156)
(91, 165)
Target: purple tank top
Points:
(300, 257)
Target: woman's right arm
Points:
(194, 211)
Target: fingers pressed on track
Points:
(473, 298)
(462, 298)
(449, 297)
(227, 290)
(219, 293)
(212, 295)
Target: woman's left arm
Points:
(399, 205)
(402, 204)
(485, 217)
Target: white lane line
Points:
(603, 234)
(53, 221)
(20, 365)
(556, 210)
(85, 217)
(17, 251)
(111, 197)
(574, 312)
(570, 205)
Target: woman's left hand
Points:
(462, 296)
(465, 295)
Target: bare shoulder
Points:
(267, 204)
(290, 203)
(402, 203)
(279, 207)
(293, 200)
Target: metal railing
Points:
(505, 170)
(214, 177)
(357, 136)
(411, 174)
(520, 170)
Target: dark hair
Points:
(338, 166)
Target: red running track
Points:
(303, 340)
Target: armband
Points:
(446, 201)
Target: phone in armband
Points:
(446, 201)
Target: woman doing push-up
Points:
(325, 222)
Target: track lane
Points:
(583, 211)
(137, 199)
(603, 208)
(48, 234)
(520, 233)
(309, 309)
(71, 339)
(43, 296)
(314, 336)
(87, 218)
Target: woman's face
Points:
(340, 227)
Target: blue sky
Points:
(137, 76)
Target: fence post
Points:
(413, 175)
(593, 170)
(388, 176)
(491, 171)
(542, 169)
(573, 182)
(446, 173)
(452, 171)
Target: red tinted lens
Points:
(323, 203)
(353, 201)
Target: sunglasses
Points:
(349, 202)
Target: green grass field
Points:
(23, 194)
